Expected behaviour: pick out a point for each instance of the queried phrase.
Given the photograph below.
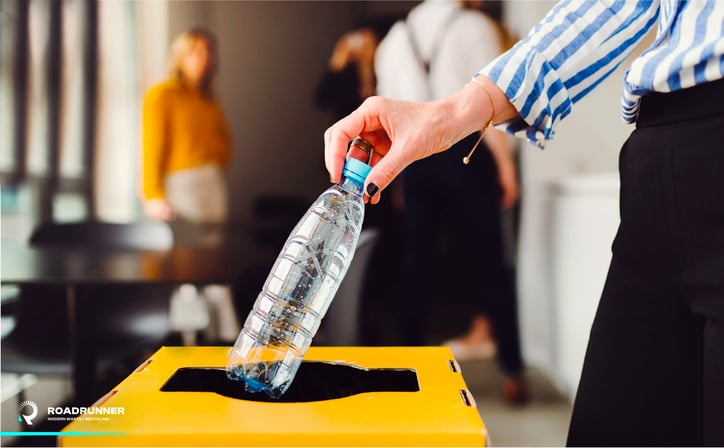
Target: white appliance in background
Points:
(567, 229)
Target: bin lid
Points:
(440, 413)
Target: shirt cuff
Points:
(541, 102)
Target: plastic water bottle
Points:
(301, 285)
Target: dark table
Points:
(23, 264)
(80, 269)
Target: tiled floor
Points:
(543, 421)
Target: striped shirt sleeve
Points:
(572, 50)
(688, 51)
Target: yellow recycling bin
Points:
(341, 396)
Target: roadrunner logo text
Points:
(95, 413)
(87, 411)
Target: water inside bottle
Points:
(263, 364)
(297, 292)
(271, 377)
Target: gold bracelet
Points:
(466, 159)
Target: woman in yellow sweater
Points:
(186, 143)
(186, 149)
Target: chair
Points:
(126, 322)
(341, 324)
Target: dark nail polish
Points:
(372, 189)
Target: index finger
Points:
(338, 136)
(336, 139)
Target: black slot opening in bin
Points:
(314, 381)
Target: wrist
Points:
(503, 109)
(477, 109)
(468, 109)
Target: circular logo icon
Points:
(33, 411)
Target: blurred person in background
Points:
(349, 77)
(426, 57)
(186, 150)
(654, 368)
(347, 80)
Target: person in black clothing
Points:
(350, 75)
(348, 79)
(453, 237)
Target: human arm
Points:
(533, 86)
(357, 47)
(225, 140)
(154, 148)
(403, 132)
(501, 147)
(569, 53)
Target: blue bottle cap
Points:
(356, 170)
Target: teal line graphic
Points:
(40, 433)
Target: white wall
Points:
(586, 141)
(569, 197)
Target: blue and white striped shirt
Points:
(580, 42)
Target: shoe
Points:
(465, 352)
(515, 391)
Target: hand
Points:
(356, 46)
(502, 148)
(340, 56)
(158, 209)
(509, 184)
(402, 132)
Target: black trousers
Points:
(446, 199)
(654, 370)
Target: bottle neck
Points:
(353, 176)
(351, 185)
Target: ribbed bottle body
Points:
(298, 291)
